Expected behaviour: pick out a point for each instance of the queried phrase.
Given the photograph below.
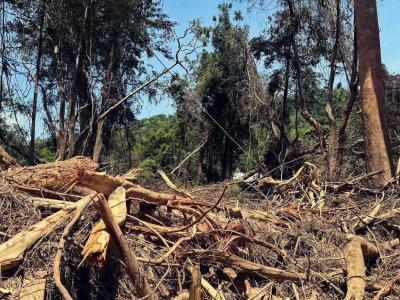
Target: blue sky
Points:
(184, 11)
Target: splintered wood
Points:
(96, 246)
(296, 238)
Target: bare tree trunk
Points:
(37, 78)
(332, 147)
(376, 134)
(353, 86)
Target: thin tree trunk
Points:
(99, 140)
(376, 133)
(353, 86)
(304, 111)
(331, 149)
(72, 113)
(36, 86)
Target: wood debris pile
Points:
(68, 231)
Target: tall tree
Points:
(36, 79)
(373, 106)
(221, 83)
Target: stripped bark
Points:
(59, 175)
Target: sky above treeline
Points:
(184, 11)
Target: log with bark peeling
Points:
(12, 251)
(57, 176)
(96, 246)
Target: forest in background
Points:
(266, 103)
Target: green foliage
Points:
(44, 150)
(220, 86)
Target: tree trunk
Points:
(376, 134)
(332, 148)
(77, 77)
(36, 86)
(297, 67)
(353, 87)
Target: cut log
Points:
(96, 246)
(355, 251)
(57, 176)
(12, 251)
(139, 280)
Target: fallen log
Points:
(12, 251)
(96, 246)
(56, 176)
(102, 182)
(139, 280)
(355, 252)
(106, 184)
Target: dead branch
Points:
(387, 287)
(12, 251)
(171, 185)
(244, 265)
(195, 292)
(57, 259)
(139, 280)
(96, 246)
